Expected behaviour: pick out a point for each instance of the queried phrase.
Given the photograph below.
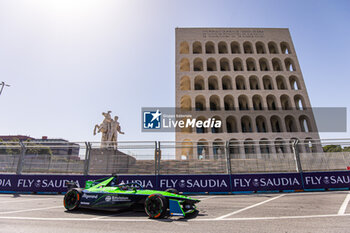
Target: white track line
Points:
(26, 199)
(167, 220)
(206, 198)
(344, 205)
(28, 210)
(249, 207)
(111, 215)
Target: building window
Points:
(184, 48)
(260, 48)
(222, 47)
(211, 64)
(272, 48)
(197, 47)
(184, 65)
(199, 83)
(185, 83)
(198, 64)
(209, 48)
(247, 47)
(224, 64)
(235, 48)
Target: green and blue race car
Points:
(107, 194)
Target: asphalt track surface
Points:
(276, 212)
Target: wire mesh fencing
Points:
(169, 157)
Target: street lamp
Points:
(3, 84)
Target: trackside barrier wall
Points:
(187, 183)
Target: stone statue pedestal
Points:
(108, 161)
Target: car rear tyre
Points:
(172, 191)
(72, 199)
(156, 206)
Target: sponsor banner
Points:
(57, 183)
(186, 183)
(266, 182)
(195, 183)
(317, 180)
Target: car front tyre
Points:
(156, 206)
(72, 199)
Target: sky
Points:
(68, 61)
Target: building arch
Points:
(185, 83)
(261, 126)
(276, 64)
(280, 146)
(213, 83)
(184, 65)
(305, 125)
(226, 83)
(246, 124)
(247, 47)
(264, 64)
(285, 48)
(219, 149)
(290, 66)
(214, 129)
(201, 129)
(257, 102)
(285, 102)
(200, 103)
(186, 149)
(290, 124)
(237, 64)
(198, 64)
(271, 102)
(211, 64)
(254, 83)
(249, 146)
(272, 47)
(203, 149)
(184, 48)
(235, 48)
(199, 83)
(310, 145)
(243, 102)
(209, 48)
(281, 83)
(251, 65)
(267, 83)
(231, 125)
(276, 124)
(186, 129)
(222, 47)
(260, 47)
(264, 145)
(299, 102)
(294, 83)
(240, 83)
(185, 103)
(197, 47)
(234, 147)
(214, 102)
(224, 64)
(229, 103)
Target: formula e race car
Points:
(107, 194)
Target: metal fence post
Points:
(159, 156)
(21, 158)
(297, 156)
(228, 157)
(155, 157)
(87, 158)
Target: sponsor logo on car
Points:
(116, 198)
(86, 196)
(85, 203)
